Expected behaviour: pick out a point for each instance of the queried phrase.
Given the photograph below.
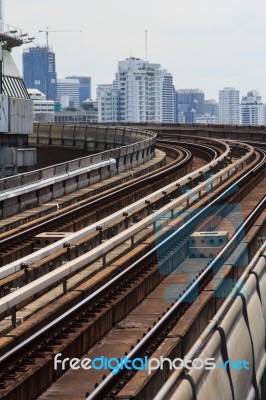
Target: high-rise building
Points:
(229, 109)
(189, 105)
(140, 87)
(212, 108)
(167, 105)
(84, 87)
(141, 92)
(252, 109)
(108, 103)
(39, 70)
(68, 92)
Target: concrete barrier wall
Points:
(121, 152)
(21, 113)
(233, 132)
(240, 335)
(88, 136)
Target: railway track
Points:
(19, 277)
(112, 256)
(8, 270)
(195, 216)
(138, 184)
(89, 211)
(60, 244)
(114, 383)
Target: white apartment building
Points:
(229, 108)
(68, 92)
(140, 87)
(142, 92)
(252, 109)
(167, 99)
(108, 103)
(43, 110)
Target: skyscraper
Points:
(142, 91)
(39, 70)
(167, 106)
(252, 109)
(212, 108)
(68, 92)
(229, 106)
(189, 105)
(84, 87)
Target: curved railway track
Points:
(189, 225)
(25, 233)
(21, 240)
(207, 152)
(156, 197)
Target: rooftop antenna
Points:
(146, 45)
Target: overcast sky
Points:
(207, 44)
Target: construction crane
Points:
(47, 31)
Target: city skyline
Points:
(204, 46)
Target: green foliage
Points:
(87, 106)
(71, 109)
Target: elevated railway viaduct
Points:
(216, 306)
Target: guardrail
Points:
(56, 178)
